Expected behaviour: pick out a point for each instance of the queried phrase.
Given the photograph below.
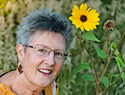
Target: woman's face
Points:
(42, 71)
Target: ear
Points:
(20, 52)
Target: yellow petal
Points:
(94, 14)
(86, 26)
(83, 8)
(76, 12)
(93, 25)
(93, 19)
(88, 11)
(92, 11)
(75, 8)
(90, 25)
(77, 23)
(82, 28)
(76, 15)
(96, 23)
(71, 18)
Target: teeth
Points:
(45, 71)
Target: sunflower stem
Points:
(107, 43)
(113, 82)
(118, 44)
(108, 63)
(107, 46)
(89, 57)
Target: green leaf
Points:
(123, 66)
(116, 75)
(90, 36)
(105, 81)
(101, 53)
(83, 66)
(120, 66)
(80, 32)
(87, 77)
(110, 75)
(113, 46)
(119, 60)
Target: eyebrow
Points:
(49, 47)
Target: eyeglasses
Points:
(44, 51)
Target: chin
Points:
(44, 84)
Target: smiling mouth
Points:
(45, 71)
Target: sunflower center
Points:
(83, 18)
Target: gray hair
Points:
(43, 20)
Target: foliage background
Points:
(11, 14)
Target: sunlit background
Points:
(11, 14)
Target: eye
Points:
(42, 50)
(59, 54)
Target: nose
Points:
(51, 59)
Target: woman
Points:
(42, 39)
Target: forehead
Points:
(50, 39)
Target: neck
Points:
(21, 86)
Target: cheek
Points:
(31, 59)
(58, 67)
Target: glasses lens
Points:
(59, 55)
(42, 51)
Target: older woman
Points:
(42, 39)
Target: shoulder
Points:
(5, 90)
(7, 78)
(5, 83)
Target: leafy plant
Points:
(83, 82)
(87, 19)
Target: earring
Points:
(20, 69)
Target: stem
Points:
(104, 70)
(108, 63)
(107, 44)
(89, 56)
(102, 76)
(86, 88)
(118, 44)
(113, 82)
(97, 90)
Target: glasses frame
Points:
(34, 47)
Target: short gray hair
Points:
(42, 20)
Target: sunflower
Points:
(84, 18)
(2, 3)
